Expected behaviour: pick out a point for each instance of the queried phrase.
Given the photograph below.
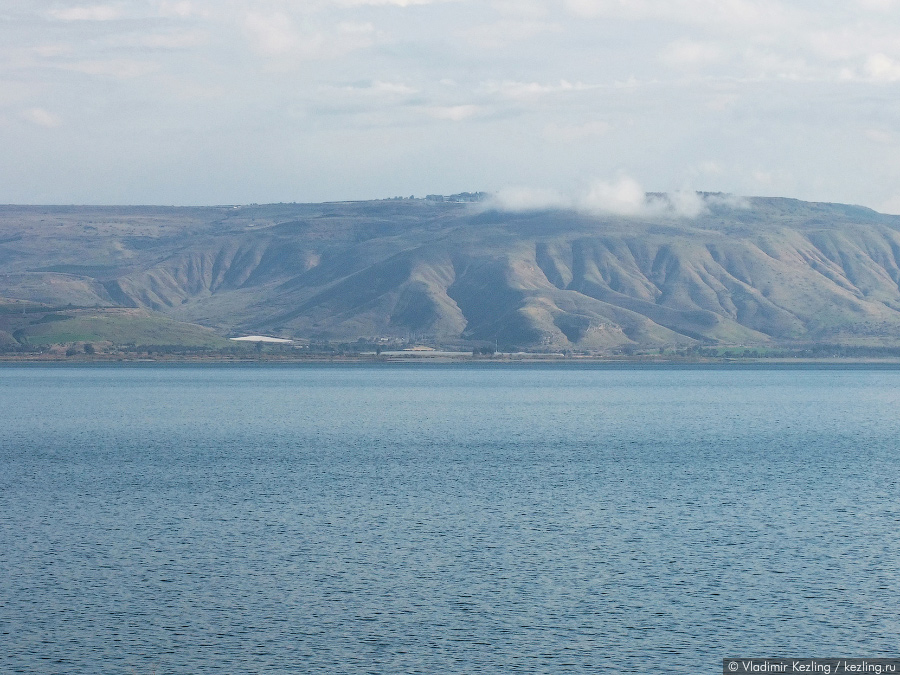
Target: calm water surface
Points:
(444, 520)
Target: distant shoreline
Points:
(506, 359)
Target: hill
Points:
(758, 271)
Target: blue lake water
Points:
(445, 519)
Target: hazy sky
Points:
(233, 101)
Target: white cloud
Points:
(877, 5)
(41, 118)
(766, 63)
(627, 198)
(878, 68)
(91, 13)
(502, 34)
(734, 13)
(373, 93)
(688, 54)
(176, 9)
(273, 34)
(623, 197)
(519, 90)
(846, 42)
(722, 101)
(181, 9)
(709, 167)
(880, 136)
(684, 203)
(49, 51)
(387, 3)
(454, 113)
(174, 40)
(881, 68)
(379, 87)
(777, 182)
(356, 28)
(524, 8)
(503, 91)
(122, 69)
(571, 133)
(277, 35)
(727, 200)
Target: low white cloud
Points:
(626, 197)
(683, 203)
(727, 200)
(520, 199)
(41, 118)
(622, 197)
(88, 13)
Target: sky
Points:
(541, 101)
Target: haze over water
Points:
(444, 519)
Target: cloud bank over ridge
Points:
(623, 197)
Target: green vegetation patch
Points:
(121, 329)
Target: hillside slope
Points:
(761, 271)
